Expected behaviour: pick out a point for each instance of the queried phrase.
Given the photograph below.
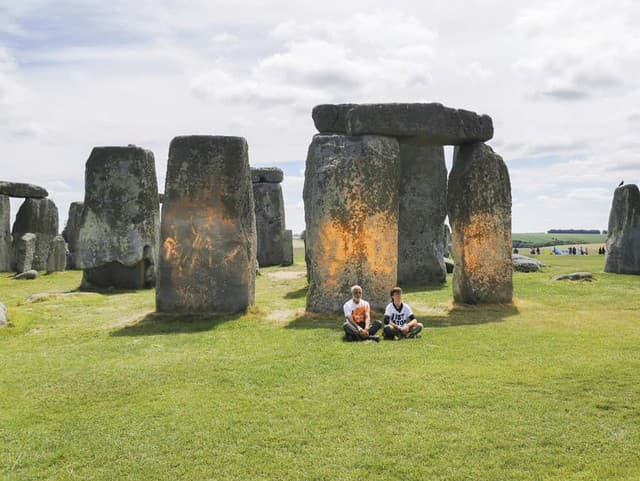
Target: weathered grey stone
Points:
(446, 239)
(287, 248)
(449, 264)
(331, 118)
(525, 264)
(271, 175)
(57, 261)
(351, 212)
(39, 217)
(119, 226)
(5, 233)
(430, 122)
(4, 317)
(623, 238)
(19, 189)
(24, 248)
(574, 276)
(208, 253)
(26, 275)
(71, 234)
(269, 209)
(423, 208)
(479, 203)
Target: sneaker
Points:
(375, 338)
(413, 333)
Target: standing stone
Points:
(479, 203)
(269, 209)
(208, 255)
(19, 189)
(351, 213)
(287, 248)
(271, 175)
(119, 226)
(5, 233)
(39, 217)
(423, 208)
(4, 317)
(57, 261)
(24, 248)
(446, 239)
(71, 234)
(623, 239)
(432, 123)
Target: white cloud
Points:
(14, 123)
(365, 56)
(577, 50)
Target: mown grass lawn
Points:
(96, 387)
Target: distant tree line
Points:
(574, 231)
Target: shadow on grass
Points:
(412, 288)
(157, 323)
(467, 315)
(297, 294)
(313, 320)
(107, 291)
(458, 315)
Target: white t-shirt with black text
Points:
(399, 316)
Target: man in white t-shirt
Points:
(357, 313)
(400, 323)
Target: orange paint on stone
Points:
(360, 244)
(483, 249)
(194, 232)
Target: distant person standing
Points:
(357, 313)
(538, 250)
(400, 323)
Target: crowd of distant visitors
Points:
(573, 251)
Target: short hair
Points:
(395, 290)
(354, 287)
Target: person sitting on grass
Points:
(400, 323)
(357, 313)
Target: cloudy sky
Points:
(561, 80)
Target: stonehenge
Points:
(71, 232)
(27, 244)
(38, 216)
(270, 218)
(424, 199)
(57, 260)
(4, 317)
(24, 248)
(351, 215)
(376, 195)
(19, 189)
(5, 233)
(623, 233)
(207, 259)
(423, 208)
(287, 248)
(479, 204)
(119, 226)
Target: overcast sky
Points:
(561, 80)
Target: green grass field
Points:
(541, 239)
(97, 387)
